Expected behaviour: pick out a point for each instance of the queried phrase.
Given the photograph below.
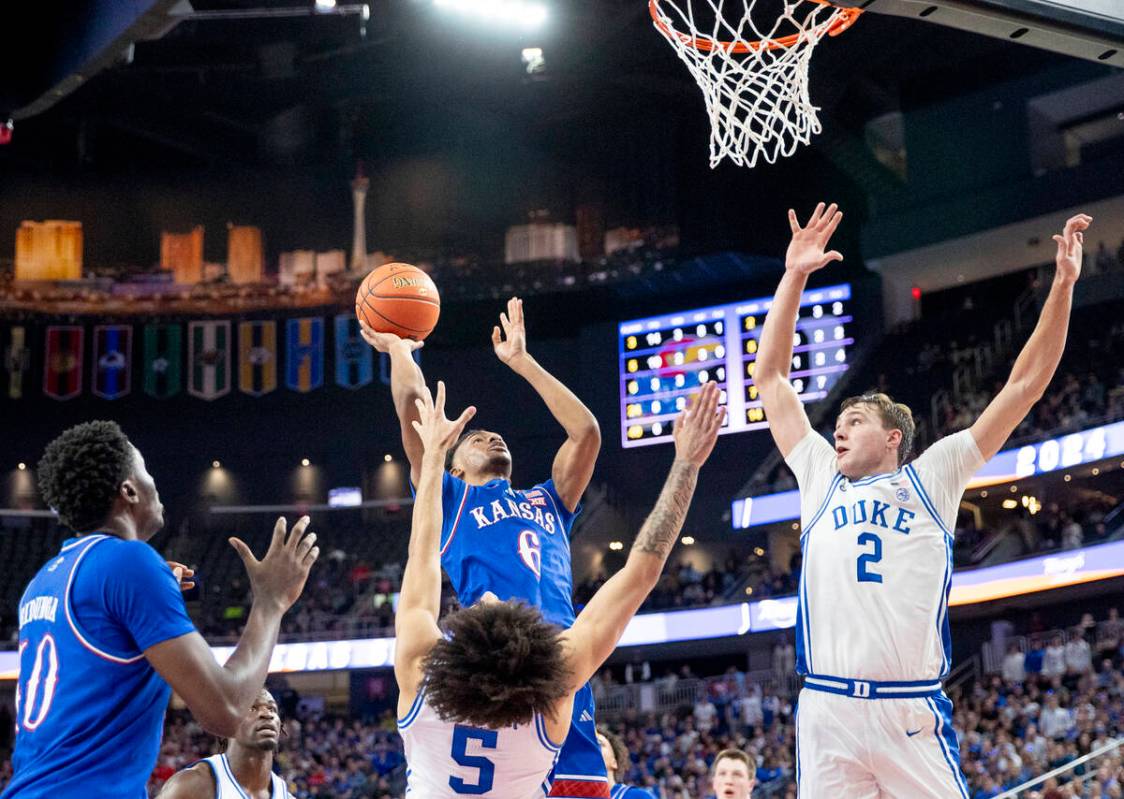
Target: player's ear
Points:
(128, 491)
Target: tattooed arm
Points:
(595, 634)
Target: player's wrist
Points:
(521, 363)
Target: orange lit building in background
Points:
(182, 254)
(244, 259)
(49, 250)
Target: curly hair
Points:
(499, 664)
(894, 416)
(81, 471)
(620, 752)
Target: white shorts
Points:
(850, 748)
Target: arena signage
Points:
(1064, 452)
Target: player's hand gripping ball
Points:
(400, 299)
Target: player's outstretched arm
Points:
(419, 602)
(196, 782)
(573, 465)
(601, 623)
(406, 384)
(788, 421)
(1036, 364)
(219, 695)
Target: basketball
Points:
(400, 299)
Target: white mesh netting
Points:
(756, 95)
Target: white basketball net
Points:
(757, 100)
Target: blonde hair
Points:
(894, 416)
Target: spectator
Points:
(1078, 657)
(1053, 661)
(1055, 720)
(1014, 664)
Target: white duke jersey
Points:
(226, 787)
(447, 761)
(877, 562)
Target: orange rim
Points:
(845, 19)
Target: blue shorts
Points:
(580, 771)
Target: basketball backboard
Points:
(1089, 29)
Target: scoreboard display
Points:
(665, 360)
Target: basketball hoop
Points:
(754, 76)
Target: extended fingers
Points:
(298, 532)
(279, 528)
(439, 402)
(793, 223)
(463, 419)
(814, 220)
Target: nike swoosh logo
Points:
(911, 734)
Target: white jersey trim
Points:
(70, 616)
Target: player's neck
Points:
(887, 466)
(251, 767)
(484, 478)
(119, 525)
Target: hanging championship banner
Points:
(355, 362)
(62, 365)
(163, 360)
(257, 357)
(208, 359)
(110, 372)
(304, 353)
(17, 360)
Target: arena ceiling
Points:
(314, 89)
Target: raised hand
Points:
(385, 342)
(512, 345)
(1070, 246)
(806, 250)
(279, 577)
(183, 575)
(435, 430)
(697, 426)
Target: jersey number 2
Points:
(487, 738)
(866, 559)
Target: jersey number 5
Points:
(866, 559)
(487, 738)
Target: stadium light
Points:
(305, 462)
(524, 13)
(324, 6)
(688, 540)
(387, 458)
(616, 546)
(216, 465)
(22, 466)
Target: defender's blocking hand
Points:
(806, 250)
(1071, 244)
(697, 426)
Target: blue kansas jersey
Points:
(89, 707)
(621, 791)
(515, 544)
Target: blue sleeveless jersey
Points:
(515, 544)
(89, 707)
